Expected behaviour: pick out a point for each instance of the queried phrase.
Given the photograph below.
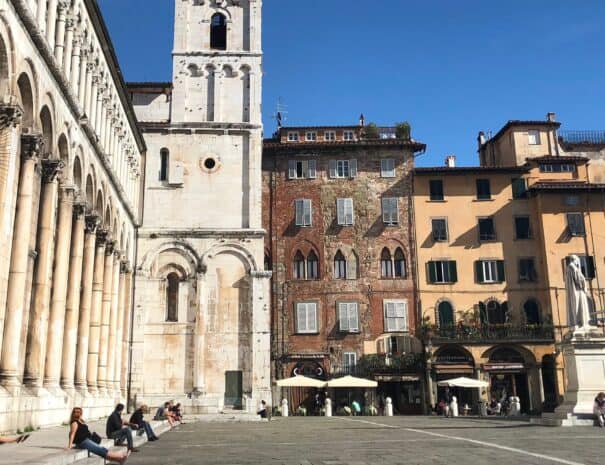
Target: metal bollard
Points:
(284, 407)
(328, 407)
(388, 411)
(454, 406)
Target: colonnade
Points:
(67, 317)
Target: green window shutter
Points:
(500, 266)
(432, 272)
(453, 271)
(479, 271)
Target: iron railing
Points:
(493, 332)
(381, 363)
(582, 137)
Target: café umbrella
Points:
(463, 382)
(352, 382)
(301, 381)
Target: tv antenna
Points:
(280, 113)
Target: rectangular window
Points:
(436, 189)
(483, 189)
(489, 271)
(395, 315)
(292, 137)
(303, 212)
(442, 272)
(344, 210)
(527, 270)
(348, 135)
(301, 169)
(390, 210)
(557, 168)
(311, 136)
(522, 227)
(572, 200)
(348, 317)
(349, 360)
(519, 188)
(586, 265)
(329, 136)
(439, 226)
(306, 317)
(533, 137)
(575, 224)
(343, 168)
(387, 168)
(487, 230)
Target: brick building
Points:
(337, 206)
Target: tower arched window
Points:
(172, 297)
(312, 266)
(399, 264)
(218, 32)
(340, 266)
(299, 266)
(492, 312)
(164, 161)
(386, 264)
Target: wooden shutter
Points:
(343, 317)
(332, 168)
(312, 170)
(432, 272)
(401, 314)
(353, 316)
(348, 210)
(453, 269)
(340, 211)
(389, 313)
(308, 214)
(395, 206)
(312, 317)
(500, 268)
(353, 168)
(301, 318)
(291, 169)
(479, 271)
(300, 208)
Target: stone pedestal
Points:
(584, 355)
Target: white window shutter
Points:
(353, 168)
(291, 169)
(312, 317)
(348, 207)
(312, 169)
(308, 214)
(340, 211)
(386, 214)
(175, 173)
(353, 317)
(332, 168)
(352, 266)
(395, 209)
(300, 207)
(301, 317)
(343, 317)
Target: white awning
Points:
(301, 381)
(463, 382)
(351, 381)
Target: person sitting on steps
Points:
(137, 422)
(118, 429)
(80, 437)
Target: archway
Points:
(26, 96)
(445, 314)
(508, 372)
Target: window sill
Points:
(306, 334)
(488, 283)
(444, 283)
(484, 200)
(348, 332)
(436, 201)
(391, 225)
(393, 278)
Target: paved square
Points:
(374, 440)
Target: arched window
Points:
(218, 32)
(312, 266)
(399, 262)
(340, 266)
(532, 312)
(172, 297)
(445, 312)
(164, 161)
(386, 264)
(493, 312)
(299, 266)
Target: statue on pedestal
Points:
(578, 307)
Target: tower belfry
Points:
(203, 295)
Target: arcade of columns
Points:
(69, 216)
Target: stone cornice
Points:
(10, 116)
(201, 233)
(197, 128)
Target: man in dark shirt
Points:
(118, 429)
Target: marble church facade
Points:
(71, 160)
(202, 305)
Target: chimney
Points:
(450, 161)
(362, 120)
(550, 117)
(481, 139)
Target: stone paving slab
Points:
(375, 440)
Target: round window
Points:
(209, 163)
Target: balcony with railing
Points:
(491, 333)
(582, 138)
(373, 364)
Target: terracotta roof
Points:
(293, 146)
(471, 169)
(516, 122)
(571, 185)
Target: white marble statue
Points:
(578, 309)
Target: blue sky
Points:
(450, 68)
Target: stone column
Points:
(72, 305)
(90, 89)
(105, 315)
(31, 146)
(74, 75)
(60, 35)
(199, 336)
(51, 23)
(38, 323)
(95, 313)
(112, 346)
(69, 46)
(260, 349)
(83, 79)
(88, 267)
(41, 15)
(127, 329)
(52, 367)
(117, 353)
(94, 95)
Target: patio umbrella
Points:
(301, 381)
(463, 382)
(352, 382)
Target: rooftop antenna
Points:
(280, 113)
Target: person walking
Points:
(80, 437)
(118, 429)
(137, 422)
(599, 408)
